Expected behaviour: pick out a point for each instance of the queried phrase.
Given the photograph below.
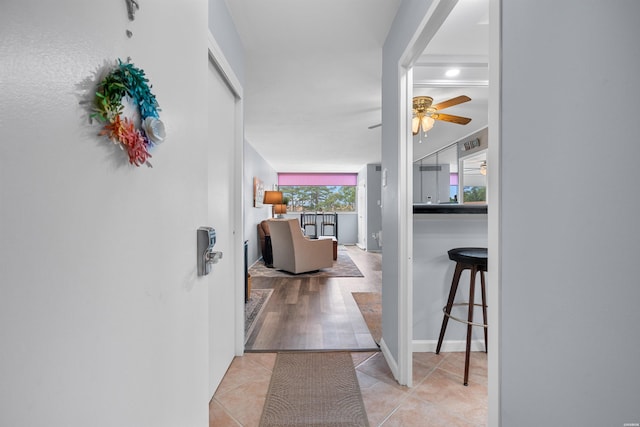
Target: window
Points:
(319, 192)
(328, 198)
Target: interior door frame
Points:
(217, 57)
(435, 16)
(362, 204)
(431, 22)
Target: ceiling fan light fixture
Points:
(427, 123)
(415, 125)
(425, 113)
(421, 122)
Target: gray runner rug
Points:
(314, 389)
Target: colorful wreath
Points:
(134, 134)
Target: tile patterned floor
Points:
(437, 398)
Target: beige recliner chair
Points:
(295, 253)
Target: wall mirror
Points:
(473, 180)
(452, 174)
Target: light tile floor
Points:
(437, 398)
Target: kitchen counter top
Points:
(448, 208)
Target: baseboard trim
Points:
(393, 364)
(429, 346)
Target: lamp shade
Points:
(272, 197)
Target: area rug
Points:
(342, 267)
(252, 309)
(370, 305)
(314, 389)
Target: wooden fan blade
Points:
(451, 102)
(453, 119)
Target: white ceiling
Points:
(313, 73)
(463, 43)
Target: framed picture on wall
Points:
(258, 192)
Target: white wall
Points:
(255, 166)
(434, 235)
(223, 30)
(569, 291)
(347, 228)
(102, 318)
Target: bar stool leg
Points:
(452, 295)
(472, 287)
(484, 311)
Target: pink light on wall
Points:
(317, 179)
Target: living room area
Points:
(337, 308)
(313, 282)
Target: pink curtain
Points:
(317, 179)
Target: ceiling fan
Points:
(425, 113)
(481, 168)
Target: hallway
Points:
(438, 397)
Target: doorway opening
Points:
(414, 83)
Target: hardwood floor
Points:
(317, 313)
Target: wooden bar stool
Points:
(474, 259)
